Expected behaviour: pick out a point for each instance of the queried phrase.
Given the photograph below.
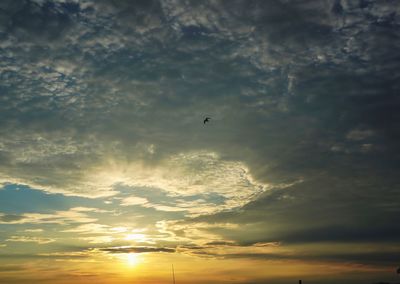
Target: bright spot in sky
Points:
(135, 237)
(132, 259)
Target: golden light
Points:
(136, 237)
(132, 259)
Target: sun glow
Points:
(132, 259)
(136, 237)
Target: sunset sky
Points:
(108, 174)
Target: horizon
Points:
(240, 141)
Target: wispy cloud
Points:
(74, 215)
(133, 200)
(91, 228)
(98, 239)
(29, 239)
(33, 230)
(197, 175)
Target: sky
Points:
(109, 175)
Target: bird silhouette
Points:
(207, 119)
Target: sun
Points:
(129, 260)
(132, 259)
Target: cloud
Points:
(193, 182)
(133, 200)
(98, 239)
(63, 103)
(198, 233)
(335, 253)
(291, 216)
(89, 209)
(129, 249)
(28, 239)
(33, 230)
(67, 254)
(47, 23)
(91, 228)
(100, 233)
(9, 218)
(272, 251)
(73, 215)
(12, 267)
(105, 99)
(359, 134)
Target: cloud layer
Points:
(101, 112)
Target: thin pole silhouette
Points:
(173, 273)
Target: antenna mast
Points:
(173, 273)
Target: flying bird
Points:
(207, 119)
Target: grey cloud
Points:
(319, 210)
(30, 21)
(10, 218)
(379, 259)
(379, 256)
(220, 243)
(193, 247)
(137, 249)
(343, 234)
